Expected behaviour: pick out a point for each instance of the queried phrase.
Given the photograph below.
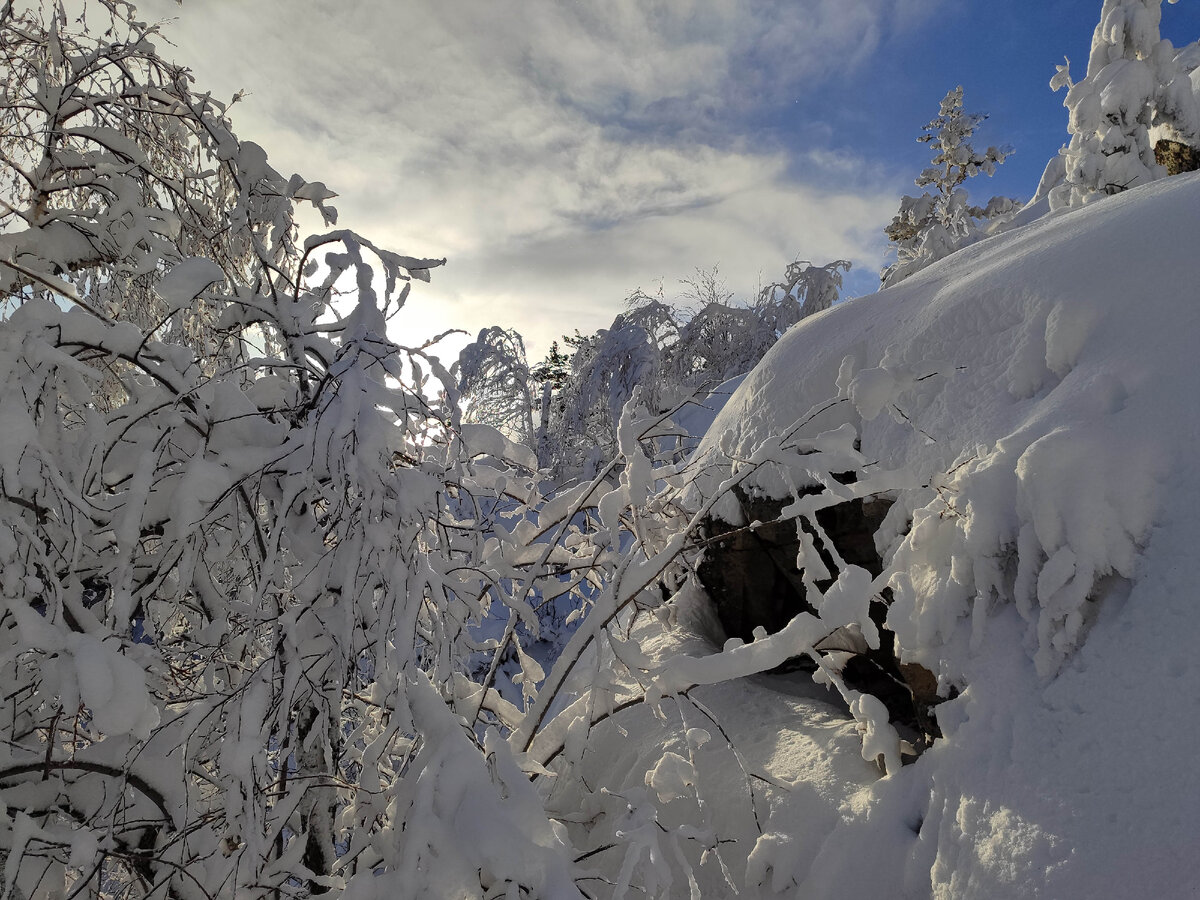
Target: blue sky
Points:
(1004, 54)
(562, 154)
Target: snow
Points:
(770, 760)
(696, 417)
(187, 280)
(671, 777)
(113, 687)
(1029, 403)
(1040, 389)
(244, 600)
(486, 440)
(1045, 572)
(472, 818)
(880, 740)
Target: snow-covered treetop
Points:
(806, 289)
(954, 159)
(1134, 82)
(1128, 29)
(932, 226)
(670, 352)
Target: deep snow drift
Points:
(1038, 393)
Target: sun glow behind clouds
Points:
(560, 155)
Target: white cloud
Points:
(560, 154)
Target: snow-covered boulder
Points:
(1036, 396)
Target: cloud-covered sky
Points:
(563, 153)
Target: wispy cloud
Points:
(560, 154)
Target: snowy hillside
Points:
(1034, 401)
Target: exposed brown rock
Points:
(750, 573)
(1176, 156)
(923, 685)
(752, 578)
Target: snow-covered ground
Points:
(1039, 393)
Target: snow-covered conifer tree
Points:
(932, 226)
(1134, 82)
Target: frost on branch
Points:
(116, 171)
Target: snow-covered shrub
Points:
(932, 226)
(1134, 83)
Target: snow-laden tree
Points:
(717, 339)
(718, 342)
(241, 550)
(671, 352)
(606, 368)
(115, 169)
(1134, 82)
(934, 225)
(495, 385)
(805, 290)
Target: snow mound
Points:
(1041, 388)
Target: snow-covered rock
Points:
(1043, 388)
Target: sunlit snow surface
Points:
(1044, 387)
